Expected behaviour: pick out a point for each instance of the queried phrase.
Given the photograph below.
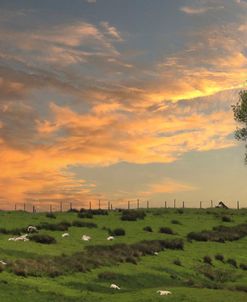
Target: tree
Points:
(240, 116)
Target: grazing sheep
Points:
(85, 238)
(110, 238)
(65, 235)
(114, 286)
(32, 229)
(20, 238)
(156, 253)
(2, 262)
(11, 239)
(164, 292)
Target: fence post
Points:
(212, 204)
(200, 204)
(174, 203)
(61, 206)
(50, 208)
(24, 207)
(111, 206)
(147, 204)
(108, 205)
(165, 204)
(238, 205)
(70, 205)
(138, 204)
(90, 205)
(128, 204)
(33, 209)
(99, 204)
(183, 204)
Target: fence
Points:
(111, 205)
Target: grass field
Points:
(182, 271)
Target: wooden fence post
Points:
(174, 203)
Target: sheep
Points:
(2, 262)
(114, 286)
(85, 238)
(156, 253)
(11, 239)
(164, 292)
(65, 235)
(110, 238)
(20, 238)
(32, 229)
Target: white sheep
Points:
(65, 235)
(164, 292)
(114, 286)
(32, 229)
(110, 238)
(156, 253)
(22, 238)
(11, 239)
(2, 262)
(85, 238)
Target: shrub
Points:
(220, 233)
(132, 215)
(174, 221)
(82, 224)
(61, 226)
(95, 211)
(180, 211)
(207, 259)
(44, 239)
(243, 266)
(226, 219)
(85, 215)
(117, 232)
(51, 215)
(147, 229)
(166, 230)
(219, 257)
(177, 262)
(232, 262)
(73, 210)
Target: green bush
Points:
(207, 259)
(132, 215)
(44, 239)
(117, 232)
(147, 229)
(82, 224)
(166, 230)
(219, 257)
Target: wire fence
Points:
(63, 206)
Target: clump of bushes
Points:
(94, 211)
(226, 219)
(207, 259)
(166, 230)
(220, 233)
(92, 257)
(82, 224)
(148, 229)
(174, 221)
(132, 215)
(85, 215)
(16, 231)
(177, 262)
(243, 266)
(232, 262)
(45, 239)
(73, 210)
(216, 275)
(117, 232)
(61, 226)
(51, 215)
(219, 257)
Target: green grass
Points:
(138, 282)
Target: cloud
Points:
(91, 1)
(167, 185)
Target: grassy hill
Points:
(72, 269)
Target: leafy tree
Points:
(240, 116)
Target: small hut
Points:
(221, 205)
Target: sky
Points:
(121, 100)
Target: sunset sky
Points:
(121, 99)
